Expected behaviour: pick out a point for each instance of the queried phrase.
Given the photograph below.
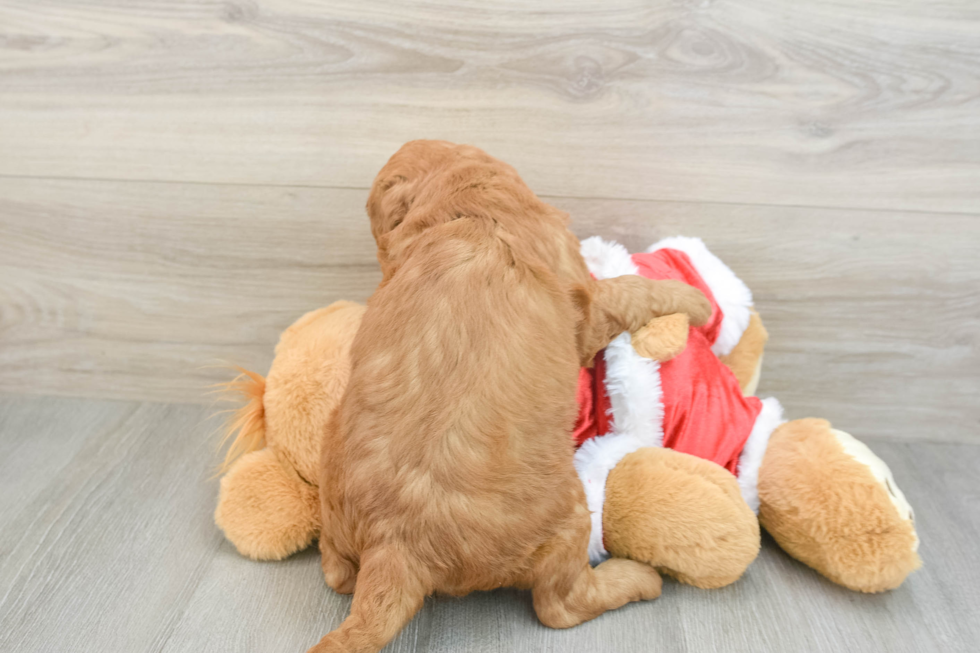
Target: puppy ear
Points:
(388, 203)
(388, 206)
(582, 303)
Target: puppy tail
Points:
(245, 427)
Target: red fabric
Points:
(705, 414)
(593, 402)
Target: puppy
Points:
(448, 467)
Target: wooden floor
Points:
(108, 545)
(179, 181)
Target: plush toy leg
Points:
(681, 514)
(265, 510)
(832, 504)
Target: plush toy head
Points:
(268, 504)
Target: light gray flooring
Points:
(107, 544)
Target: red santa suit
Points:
(691, 403)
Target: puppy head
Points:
(426, 183)
(395, 190)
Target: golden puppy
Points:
(448, 467)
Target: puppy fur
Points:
(448, 467)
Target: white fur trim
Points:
(633, 384)
(606, 258)
(731, 293)
(632, 381)
(755, 449)
(593, 461)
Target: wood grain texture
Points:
(145, 290)
(130, 290)
(829, 102)
(106, 553)
(112, 549)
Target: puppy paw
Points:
(693, 302)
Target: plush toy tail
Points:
(245, 427)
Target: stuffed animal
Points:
(675, 454)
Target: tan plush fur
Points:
(449, 465)
(681, 514)
(265, 509)
(745, 358)
(264, 505)
(828, 511)
(662, 338)
(245, 431)
(306, 382)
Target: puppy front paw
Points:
(678, 297)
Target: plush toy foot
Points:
(267, 512)
(832, 504)
(681, 514)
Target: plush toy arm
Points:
(745, 359)
(630, 302)
(662, 338)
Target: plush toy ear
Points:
(662, 338)
(265, 510)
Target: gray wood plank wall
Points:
(179, 182)
(147, 291)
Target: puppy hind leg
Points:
(339, 572)
(567, 591)
(387, 596)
